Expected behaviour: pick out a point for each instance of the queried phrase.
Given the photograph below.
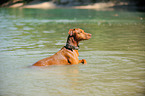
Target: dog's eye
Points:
(79, 32)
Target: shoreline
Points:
(109, 6)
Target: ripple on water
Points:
(28, 28)
(51, 31)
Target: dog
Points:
(68, 55)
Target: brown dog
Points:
(69, 53)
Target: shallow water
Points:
(115, 53)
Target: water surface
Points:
(115, 53)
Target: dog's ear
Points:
(71, 32)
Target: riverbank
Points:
(38, 4)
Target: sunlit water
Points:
(115, 53)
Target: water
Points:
(115, 53)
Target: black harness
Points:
(71, 47)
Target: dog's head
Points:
(79, 34)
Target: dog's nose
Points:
(89, 34)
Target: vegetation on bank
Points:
(6, 3)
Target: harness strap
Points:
(71, 47)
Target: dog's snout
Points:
(90, 34)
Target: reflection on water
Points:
(115, 54)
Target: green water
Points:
(115, 53)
